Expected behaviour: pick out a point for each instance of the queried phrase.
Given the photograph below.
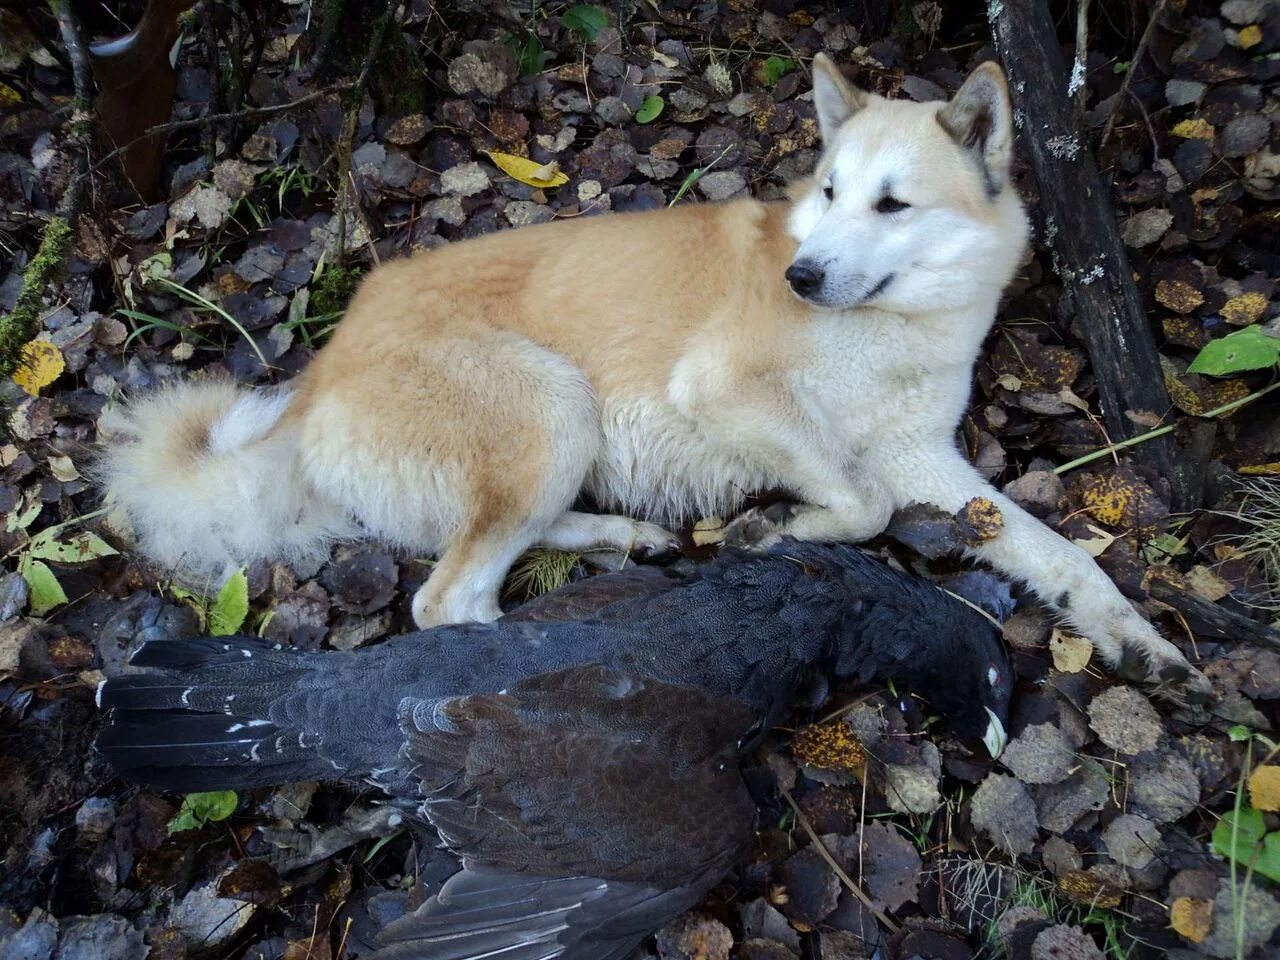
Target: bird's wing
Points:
(587, 598)
(487, 913)
(588, 805)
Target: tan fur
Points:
(660, 363)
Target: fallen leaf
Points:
(1249, 37)
(708, 531)
(980, 521)
(1245, 309)
(1264, 788)
(1096, 545)
(1196, 128)
(1071, 652)
(528, 171)
(1178, 295)
(1208, 584)
(1081, 886)
(1124, 720)
(40, 364)
(1191, 917)
(1003, 810)
(830, 746)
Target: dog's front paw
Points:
(653, 542)
(1148, 659)
(760, 527)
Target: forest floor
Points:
(1113, 825)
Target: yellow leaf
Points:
(8, 96)
(708, 531)
(1262, 469)
(1191, 917)
(527, 171)
(1264, 789)
(1245, 309)
(41, 364)
(1249, 36)
(1071, 652)
(1195, 129)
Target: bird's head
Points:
(896, 627)
(968, 680)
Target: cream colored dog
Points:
(667, 364)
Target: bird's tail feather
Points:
(504, 915)
(203, 475)
(211, 719)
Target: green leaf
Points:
(1239, 733)
(1248, 830)
(78, 548)
(46, 591)
(1268, 862)
(24, 519)
(650, 110)
(585, 20)
(200, 808)
(529, 53)
(1247, 349)
(231, 606)
(775, 68)
(1251, 849)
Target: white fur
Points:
(196, 474)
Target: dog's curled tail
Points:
(206, 476)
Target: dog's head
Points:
(910, 209)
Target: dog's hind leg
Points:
(585, 531)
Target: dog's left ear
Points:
(980, 119)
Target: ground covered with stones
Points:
(1099, 832)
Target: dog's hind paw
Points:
(760, 527)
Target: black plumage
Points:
(586, 770)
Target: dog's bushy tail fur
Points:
(205, 476)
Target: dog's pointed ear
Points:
(834, 97)
(980, 119)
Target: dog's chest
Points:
(865, 376)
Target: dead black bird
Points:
(586, 771)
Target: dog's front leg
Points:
(857, 509)
(1061, 574)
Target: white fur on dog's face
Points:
(910, 209)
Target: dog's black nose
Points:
(805, 281)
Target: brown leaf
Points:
(1081, 886)
(315, 947)
(1178, 295)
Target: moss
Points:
(23, 322)
(332, 291)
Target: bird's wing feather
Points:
(639, 762)
(591, 596)
(500, 915)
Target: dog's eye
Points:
(993, 675)
(829, 191)
(887, 204)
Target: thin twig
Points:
(823, 852)
(1160, 431)
(1138, 54)
(219, 117)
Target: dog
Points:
(666, 364)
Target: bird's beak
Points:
(995, 738)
